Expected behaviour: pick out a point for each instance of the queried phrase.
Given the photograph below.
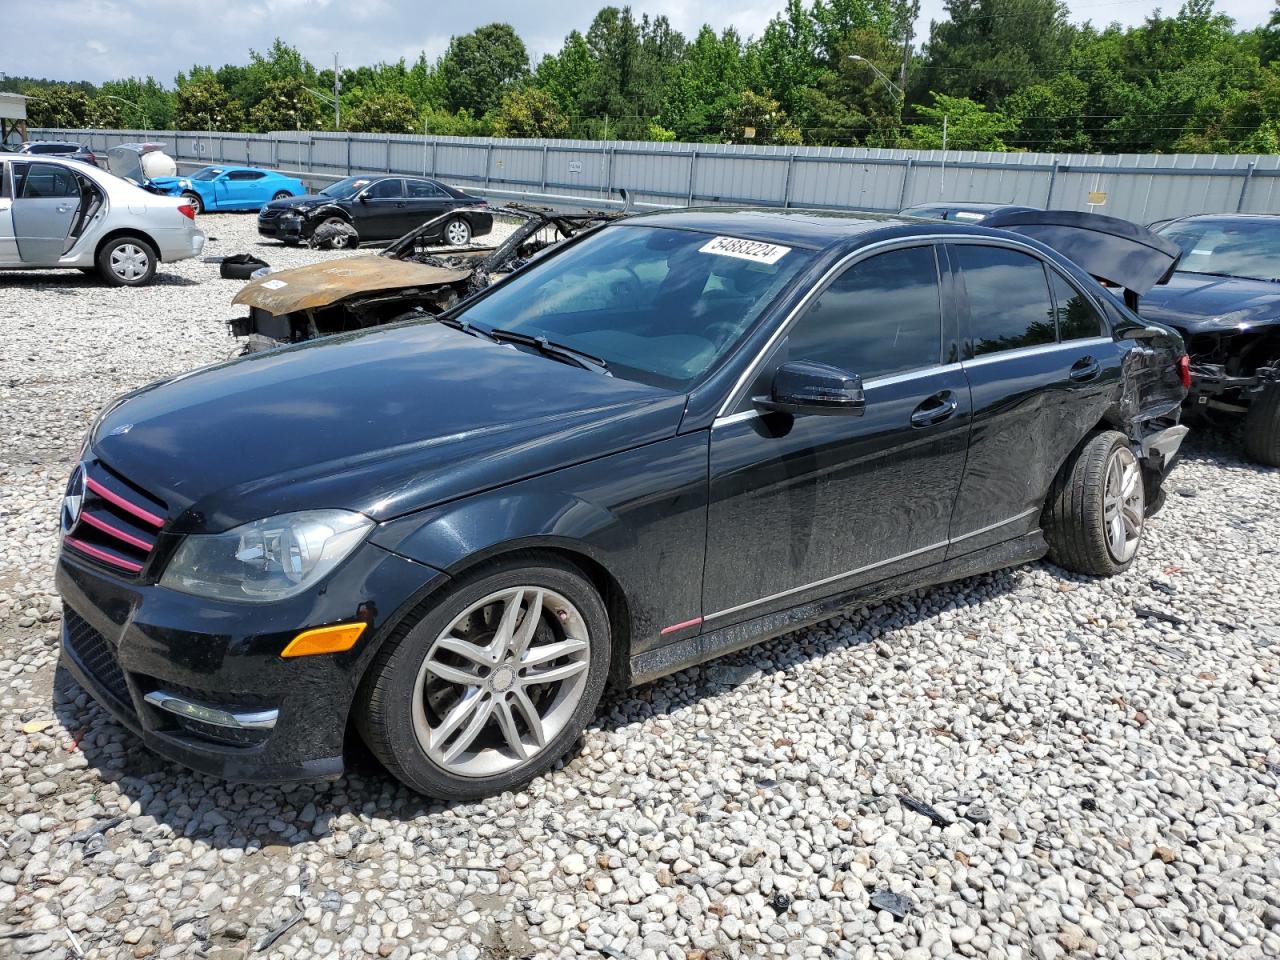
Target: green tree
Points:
(706, 82)
(786, 57)
(57, 105)
(383, 112)
(758, 118)
(479, 67)
(205, 104)
(529, 112)
(286, 104)
(987, 49)
(969, 125)
(568, 75)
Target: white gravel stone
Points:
(1112, 779)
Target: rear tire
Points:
(1096, 511)
(1262, 428)
(127, 262)
(195, 201)
(457, 232)
(445, 704)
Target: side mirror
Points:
(804, 387)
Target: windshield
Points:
(345, 188)
(657, 305)
(1229, 248)
(208, 173)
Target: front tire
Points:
(475, 697)
(1096, 512)
(282, 195)
(127, 262)
(457, 232)
(195, 201)
(1262, 428)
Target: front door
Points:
(47, 197)
(380, 211)
(1041, 366)
(806, 506)
(242, 189)
(8, 243)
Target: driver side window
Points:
(881, 316)
(387, 190)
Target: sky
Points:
(100, 40)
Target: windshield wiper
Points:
(467, 327)
(557, 351)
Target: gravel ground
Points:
(1022, 765)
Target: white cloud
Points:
(50, 39)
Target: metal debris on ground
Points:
(1152, 614)
(102, 826)
(925, 810)
(892, 903)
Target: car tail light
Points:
(1183, 367)
(187, 210)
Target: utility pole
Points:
(337, 102)
(942, 184)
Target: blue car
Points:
(230, 188)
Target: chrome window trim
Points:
(886, 380)
(735, 395)
(1036, 350)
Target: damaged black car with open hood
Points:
(667, 438)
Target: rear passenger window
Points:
(881, 316)
(1078, 318)
(48, 180)
(1009, 305)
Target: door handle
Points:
(1084, 370)
(937, 408)
(65, 209)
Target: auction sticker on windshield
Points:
(754, 250)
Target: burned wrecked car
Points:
(1224, 299)
(410, 276)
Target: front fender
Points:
(639, 516)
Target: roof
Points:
(815, 229)
(13, 106)
(976, 205)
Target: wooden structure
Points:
(13, 119)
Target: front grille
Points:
(226, 736)
(96, 655)
(117, 524)
(266, 213)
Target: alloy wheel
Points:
(501, 681)
(129, 262)
(457, 233)
(1123, 505)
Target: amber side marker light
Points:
(324, 640)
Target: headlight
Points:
(270, 559)
(184, 183)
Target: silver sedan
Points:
(63, 213)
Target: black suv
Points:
(666, 438)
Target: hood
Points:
(1199, 303)
(384, 421)
(299, 202)
(321, 284)
(175, 184)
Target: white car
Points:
(63, 213)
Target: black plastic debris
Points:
(1167, 589)
(976, 813)
(1152, 614)
(925, 810)
(240, 266)
(781, 903)
(1088, 803)
(102, 826)
(892, 903)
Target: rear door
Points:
(44, 209)
(1041, 366)
(806, 506)
(380, 210)
(424, 200)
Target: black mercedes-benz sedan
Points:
(375, 208)
(665, 439)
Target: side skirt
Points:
(672, 657)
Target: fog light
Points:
(334, 639)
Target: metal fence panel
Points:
(1140, 187)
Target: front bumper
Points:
(281, 228)
(201, 682)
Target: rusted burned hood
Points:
(323, 284)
